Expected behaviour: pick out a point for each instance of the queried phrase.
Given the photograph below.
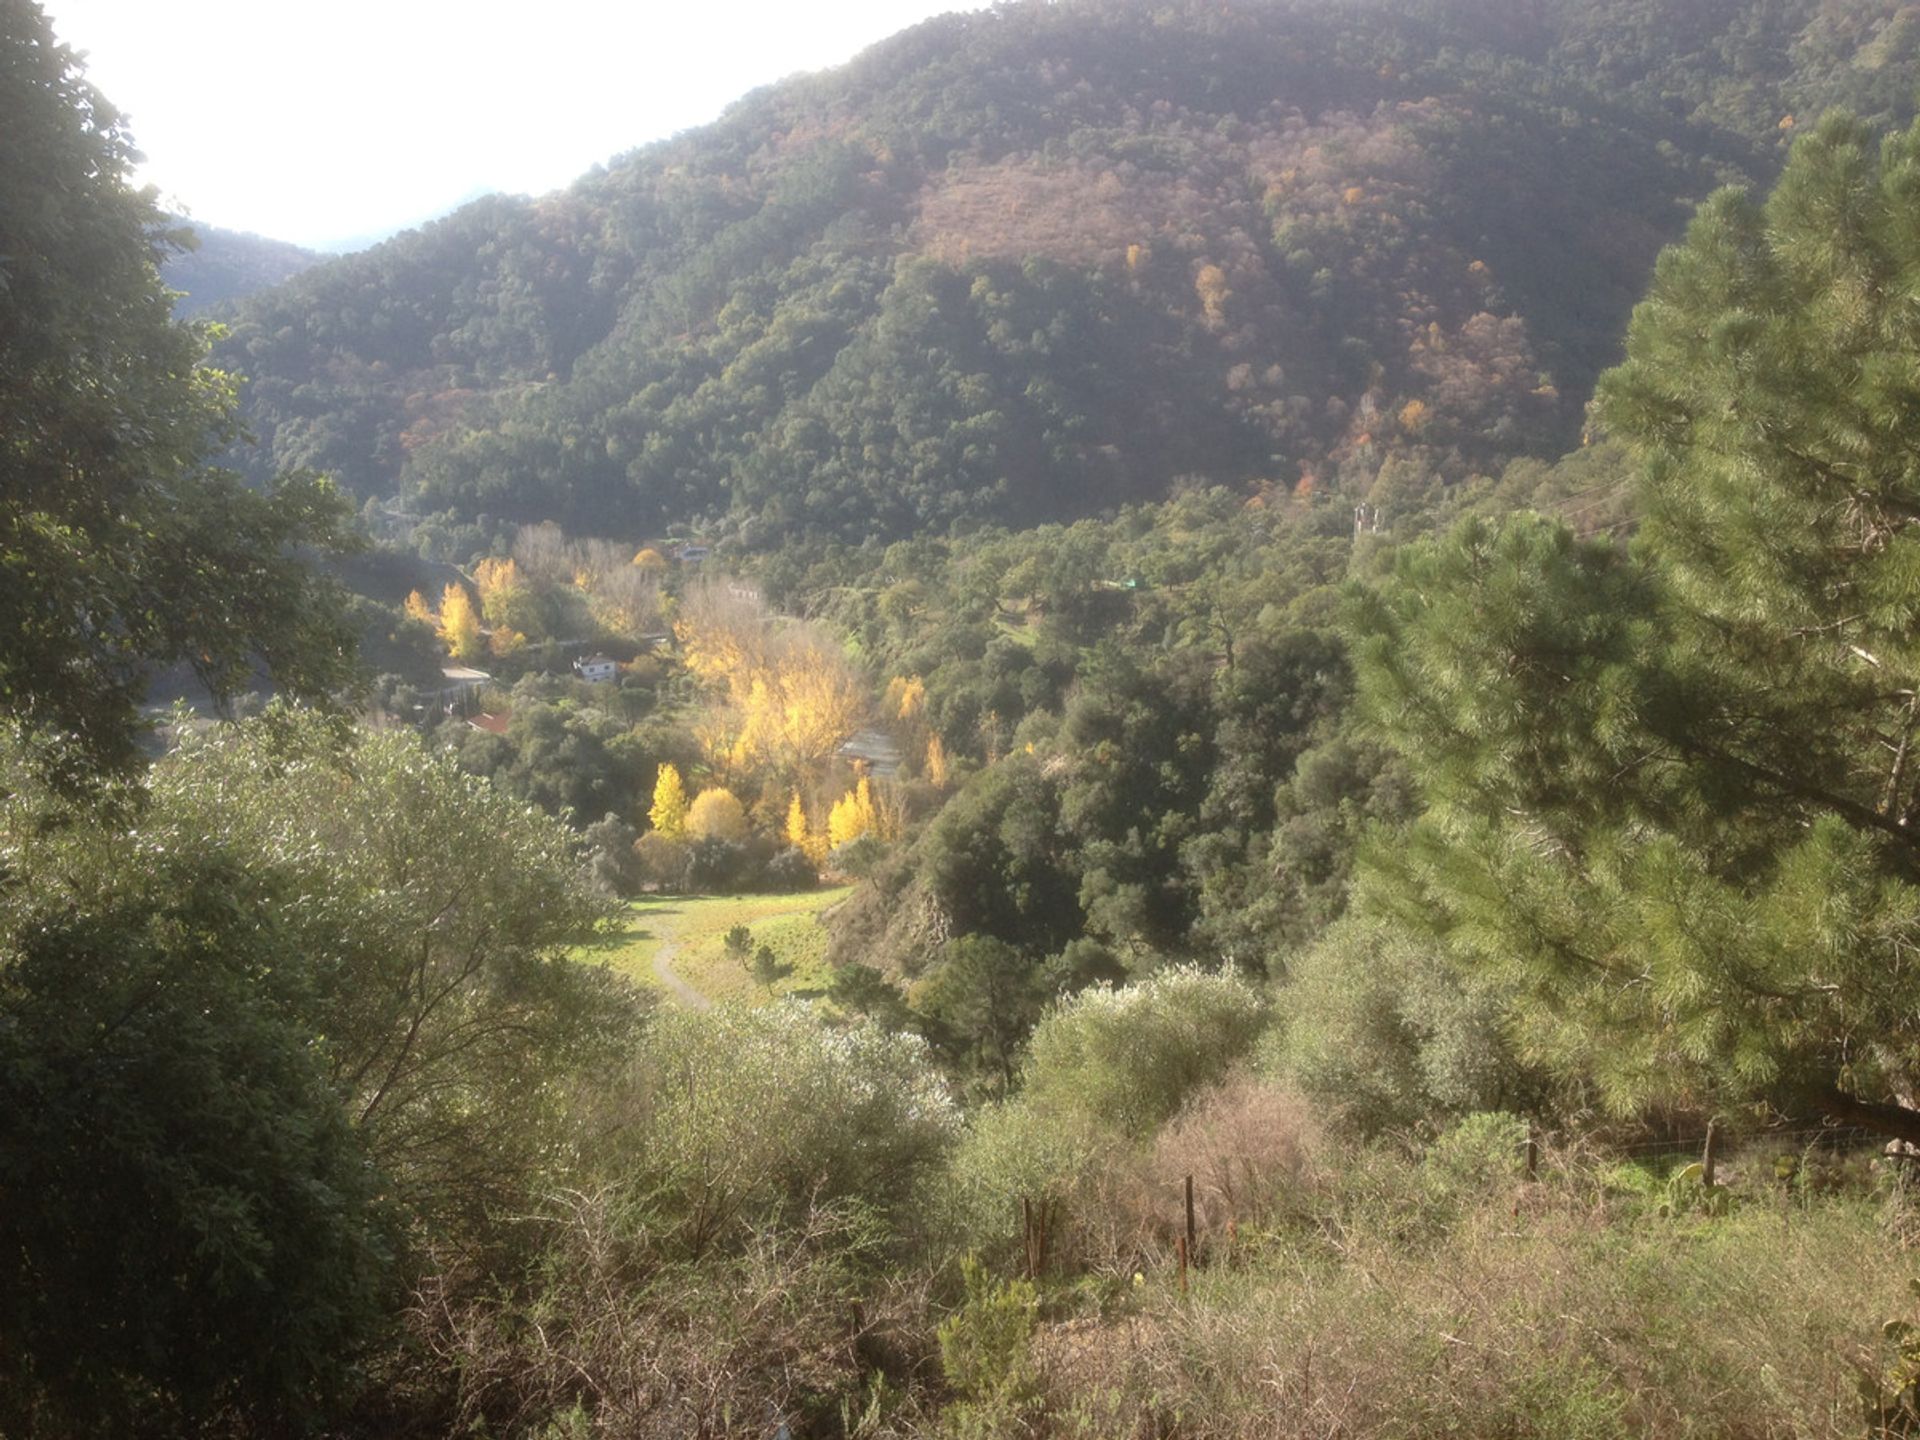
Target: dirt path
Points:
(681, 991)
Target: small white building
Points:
(596, 669)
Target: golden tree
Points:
(723, 636)
(937, 768)
(799, 834)
(717, 814)
(816, 703)
(418, 609)
(906, 697)
(507, 599)
(459, 626)
(669, 813)
(853, 815)
(1211, 286)
(793, 698)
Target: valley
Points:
(1141, 718)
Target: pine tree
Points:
(1672, 794)
(669, 813)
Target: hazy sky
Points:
(324, 123)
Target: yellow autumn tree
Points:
(1210, 284)
(650, 559)
(843, 822)
(717, 814)
(817, 703)
(419, 609)
(937, 768)
(723, 636)
(459, 626)
(724, 736)
(801, 834)
(852, 815)
(507, 599)
(910, 699)
(669, 813)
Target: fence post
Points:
(1181, 1246)
(1192, 1237)
(1710, 1158)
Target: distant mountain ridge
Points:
(229, 265)
(1035, 262)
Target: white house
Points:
(596, 669)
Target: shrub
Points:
(618, 1335)
(790, 869)
(717, 866)
(859, 856)
(1251, 1148)
(662, 860)
(613, 868)
(1015, 1152)
(1560, 1323)
(744, 1116)
(1381, 1029)
(985, 1349)
(1131, 1057)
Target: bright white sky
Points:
(339, 121)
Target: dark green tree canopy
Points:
(121, 549)
(1672, 791)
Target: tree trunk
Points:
(1896, 1122)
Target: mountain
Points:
(230, 265)
(1028, 264)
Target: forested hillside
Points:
(1175, 866)
(226, 265)
(1031, 264)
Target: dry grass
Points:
(1539, 1313)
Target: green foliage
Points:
(1389, 1033)
(1047, 262)
(743, 1117)
(192, 1233)
(122, 550)
(1890, 1386)
(985, 1349)
(984, 998)
(436, 916)
(1688, 1193)
(220, 266)
(1669, 791)
(1128, 1058)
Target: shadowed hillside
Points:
(1026, 265)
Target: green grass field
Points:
(694, 927)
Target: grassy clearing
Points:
(695, 927)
